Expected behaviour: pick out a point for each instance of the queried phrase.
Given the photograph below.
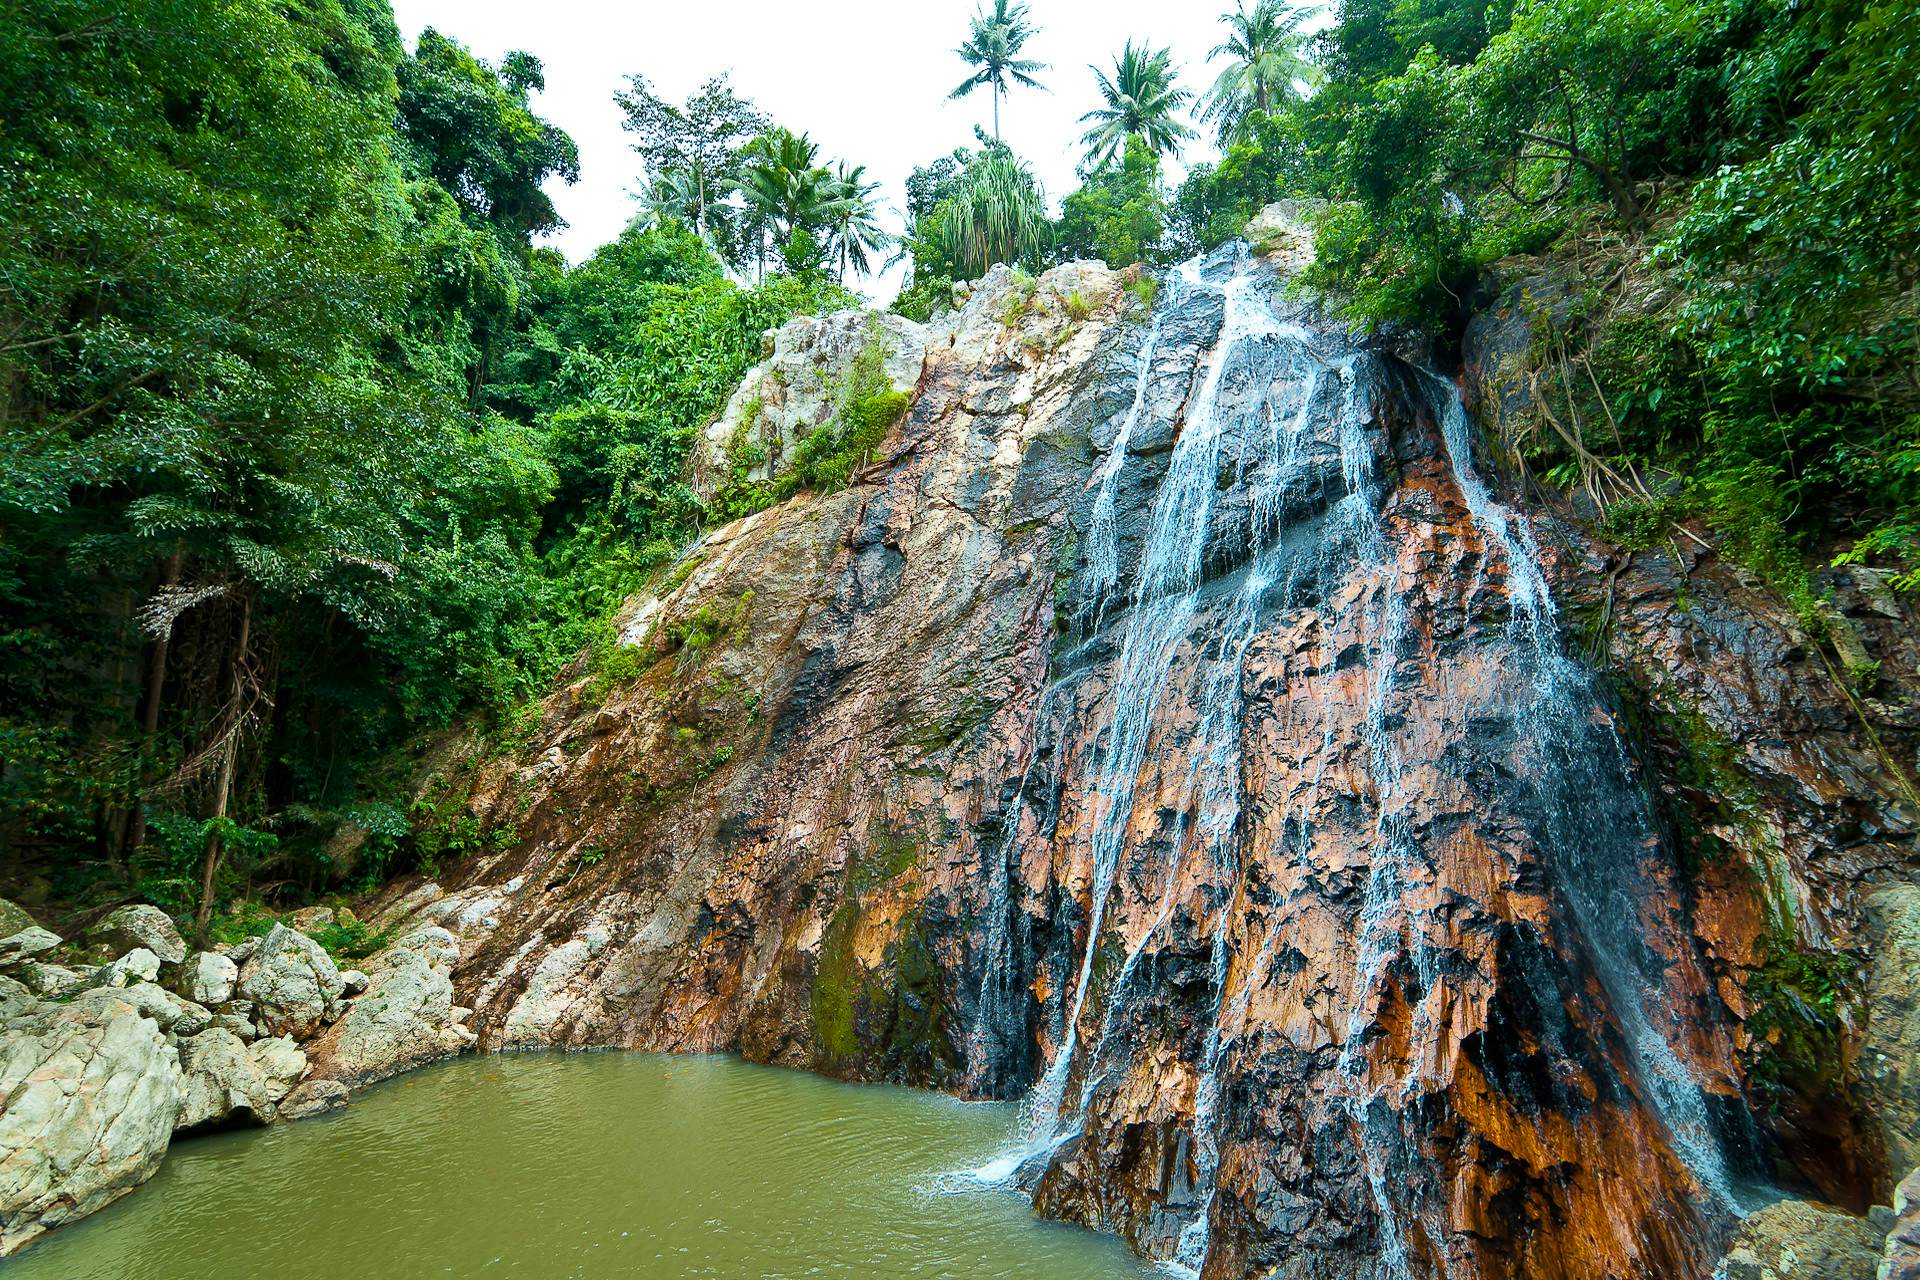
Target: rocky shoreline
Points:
(117, 1043)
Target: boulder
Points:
(1900, 1257)
(354, 981)
(1890, 1048)
(209, 978)
(89, 1092)
(52, 981)
(226, 1081)
(313, 1098)
(18, 948)
(14, 918)
(138, 925)
(1801, 1240)
(292, 981)
(405, 1018)
(138, 965)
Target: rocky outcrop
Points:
(89, 1093)
(405, 1018)
(795, 390)
(292, 982)
(1800, 1240)
(1173, 722)
(1361, 875)
(138, 925)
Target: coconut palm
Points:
(857, 233)
(998, 215)
(675, 196)
(786, 186)
(993, 46)
(1141, 100)
(1268, 52)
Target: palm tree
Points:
(784, 184)
(993, 46)
(1268, 48)
(1141, 99)
(675, 196)
(856, 227)
(998, 215)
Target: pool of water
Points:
(589, 1165)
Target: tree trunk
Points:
(136, 828)
(996, 113)
(223, 789)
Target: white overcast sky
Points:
(868, 79)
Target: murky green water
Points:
(588, 1165)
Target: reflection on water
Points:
(589, 1165)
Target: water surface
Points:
(539, 1166)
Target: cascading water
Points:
(1162, 605)
(1271, 493)
(1597, 814)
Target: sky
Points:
(868, 79)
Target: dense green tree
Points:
(214, 446)
(1142, 99)
(796, 196)
(993, 49)
(856, 231)
(996, 214)
(700, 140)
(1267, 160)
(470, 128)
(1119, 214)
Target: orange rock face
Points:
(1205, 629)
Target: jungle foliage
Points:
(308, 449)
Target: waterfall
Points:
(1162, 606)
(1272, 494)
(1598, 814)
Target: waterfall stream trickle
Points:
(1271, 499)
(1162, 604)
(1592, 843)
